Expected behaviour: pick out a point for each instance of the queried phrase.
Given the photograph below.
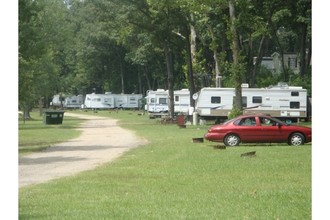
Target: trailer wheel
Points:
(232, 140)
(296, 139)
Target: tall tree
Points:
(236, 66)
(42, 38)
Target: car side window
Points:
(251, 121)
(267, 122)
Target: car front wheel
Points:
(296, 139)
(232, 140)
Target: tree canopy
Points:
(131, 46)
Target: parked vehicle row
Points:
(281, 101)
(99, 101)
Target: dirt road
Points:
(101, 141)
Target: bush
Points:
(234, 113)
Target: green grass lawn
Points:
(174, 178)
(34, 135)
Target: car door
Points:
(248, 130)
(271, 130)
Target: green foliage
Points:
(234, 113)
(267, 78)
(74, 46)
(305, 82)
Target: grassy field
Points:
(174, 178)
(34, 135)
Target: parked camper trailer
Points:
(280, 101)
(109, 101)
(57, 101)
(127, 101)
(157, 102)
(182, 101)
(100, 101)
(74, 101)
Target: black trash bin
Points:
(53, 117)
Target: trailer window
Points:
(294, 93)
(176, 98)
(96, 99)
(162, 101)
(294, 104)
(256, 99)
(215, 99)
(152, 100)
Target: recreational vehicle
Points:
(182, 101)
(109, 101)
(100, 101)
(74, 101)
(127, 101)
(280, 101)
(57, 101)
(157, 102)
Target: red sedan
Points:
(258, 129)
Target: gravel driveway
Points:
(101, 141)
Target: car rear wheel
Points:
(232, 140)
(296, 139)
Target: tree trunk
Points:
(190, 67)
(217, 69)
(236, 50)
(26, 112)
(303, 50)
(284, 69)
(41, 102)
(257, 64)
(170, 78)
(122, 77)
(215, 58)
(140, 81)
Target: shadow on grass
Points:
(222, 146)
(33, 124)
(46, 160)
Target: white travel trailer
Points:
(158, 101)
(57, 101)
(100, 101)
(74, 101)
(127, 101)
(280, 101)
(182, 101)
